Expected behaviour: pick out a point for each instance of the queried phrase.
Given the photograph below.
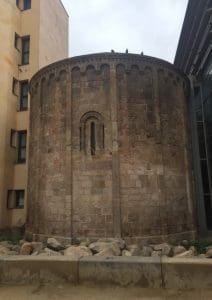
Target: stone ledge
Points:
(169, 273)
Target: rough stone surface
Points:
(126, 253)
(26, 249)
(53, 244)
(164, 249)
(209, 253)
(37, 246)
(185, 254)
(146, 251)
(77, 252)
(49, 252)
(105, 248)
(4, 250)
(135, 250)
(109, 134)
(178, 250)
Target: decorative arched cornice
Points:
(112, 59)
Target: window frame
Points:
(22, 96)
(13, 199)
(23, 51)
(20, 147)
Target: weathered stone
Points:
(103, 246)
(193, 249)
(185, 244)
(209, 253)
(178, 250)
(134, 250)
(49, 252)
(13, 252)
(156, 254)
(164, 248)
(4, 250)
(126, 253)
(6, 244)
(120, 243)
(54, 245)
(146, 251)
(77, 251)
(115, 187)
(37, 246)
(201, 255)
(16, 248)
(26, 249)
(185, 254)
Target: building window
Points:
(92, 139)
(25, 50)
(23, 4)
(27, 4)
(15, 87)
(15, 199)
(22, 141)
(24, 89)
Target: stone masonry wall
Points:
(109, 149)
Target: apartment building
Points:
(33, 33)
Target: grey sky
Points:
(151, 26)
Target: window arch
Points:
(92, 133)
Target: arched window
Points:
(92, 140)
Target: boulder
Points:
(178, 250)
(134, 249)
(164, 249)
(49, 252)
(26, 249)
(209, 253)
(202, 256)
(126, 253)
(146, 251)
(156, 254)
(54, 245)
(6, 244)
(98, 247)
(185, 244)
(4, 250)
(121, 243)
(185, 254)
(37, 247)
(193, 249)
(16, 248)
(76, 252)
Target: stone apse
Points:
(109, 153)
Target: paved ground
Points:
(64, 292)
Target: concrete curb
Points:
(169, 273)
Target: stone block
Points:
(123, 271)
(186, 273)
(35, 270)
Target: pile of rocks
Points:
(102, 247)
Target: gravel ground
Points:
(64, 292)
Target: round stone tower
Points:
(109, 153)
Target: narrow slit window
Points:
(103, 136)
(93, 138)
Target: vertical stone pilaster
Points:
(68, 168)
(115, 157)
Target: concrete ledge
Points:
(28, 270)
(169, 273)
(123, 271)
(187, 273)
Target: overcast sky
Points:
(151, 26)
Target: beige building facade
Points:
(34, 34)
